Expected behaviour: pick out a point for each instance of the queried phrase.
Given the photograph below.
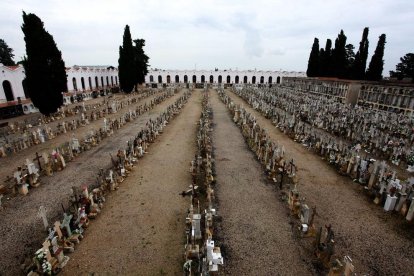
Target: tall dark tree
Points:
(360, 64)
(326, 60)
(376, 64)
(350, 60)
(6, 54)
(141, 61)
(404, 69)
(339, 61)
(44, 66)
(126, 61)
(313, 63)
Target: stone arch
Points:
(236, 79)
(90, 83)
(211, 78)
(107, 81)
(261, 79)
(185, 79)
(270, 79)
(168, 79)
(112, 80)
(203, 79)
(102, 81)
(159, 79)
(194, 78)
(151, 78)
(75, 85)
(228, 80)
(220, 79)
(25, 89)
(116, 80)
(96, 82)
(8, 90)
(253, 79)
(177, 78)
(83, 83)
(278, 79)
(245, 79)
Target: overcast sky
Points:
(180, 34)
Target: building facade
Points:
(387, 96)
(79, 79)
(218, 76)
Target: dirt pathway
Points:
(255, 226)
(141, 229)
(362, 230)
(20, 228)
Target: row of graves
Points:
(385, 135)
(87, 201)
(202, 256)
(282, 171)
(19, 138)
(29, 175)
(348, 155)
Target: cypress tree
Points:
(350, 60)
(6, 54)
(44, 66)
(126, 61)
(339, 62)
(313, 63)
(360, 64)
(141, 61)
(326, 60)
(376, 64)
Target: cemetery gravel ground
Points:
(379, 243)
(141, 229)
(255, 226)
(21, 231)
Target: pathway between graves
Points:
(255, 223)
(20, 227)
(362, 230)
(141, 228)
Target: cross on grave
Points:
(38, 160)
(42, 214)
(58, 230)
(66, 222)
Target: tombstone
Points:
(42, 215)
(390, 203)
(58, 253)
(41, 135)
(410, 213)
(33, 174)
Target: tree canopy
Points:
(141, 61)
(376, 65)
(313, 63)
(6, 54)
(360, 64)
(44, 67)
(404, 69)
(127, 63)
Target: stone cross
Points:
(66, 222)
(42, 214)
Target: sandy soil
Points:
(379, 243)
(255, 224)
(21, 230)
(141, 229)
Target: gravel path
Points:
(255, 226)
(141, 228)
(377, 242)
(22, 231)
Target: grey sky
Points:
(181, 34)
